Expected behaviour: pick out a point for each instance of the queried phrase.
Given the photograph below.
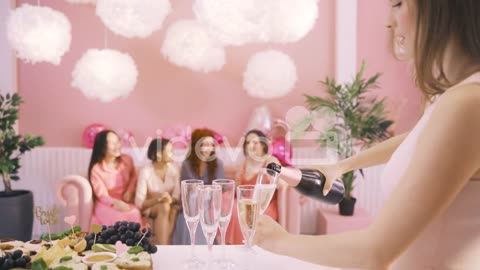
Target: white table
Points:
(171, 258)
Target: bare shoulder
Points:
(461, 102)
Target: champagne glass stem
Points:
(192, 240)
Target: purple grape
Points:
(137, 236)
(20, 262)
(137, 226)
(129, 234)
(17, 254)
(152, 249)
(130, 242)
(114, 238)
(27, 258)
(2, 260)
(123, 238)
(9, 263)
(100, 240)
(122, 229)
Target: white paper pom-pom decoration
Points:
(133, 18)
(39, 34)
(238, 22)
(232, 22)
(269, 74)
(82, 1)
(289, 20)
(105, 74)
(188, 44)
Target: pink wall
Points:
(403, 99)
(166, 94)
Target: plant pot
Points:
(347, 206)
(16, 208)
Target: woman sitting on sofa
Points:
(255, 150)
(201, 163)
(158, 189)
(113, 179)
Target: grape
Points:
(88, 238)
(152, 249)
(104, 227)
(111, 231)
(149, 234)
(137, 236)
(117, 225)
(123, 228)
(100, 240)
(9, 263)
(123, 238)
(129, 234)
(2, 259)
(125, 223)
(109, 241)
(130, 242)
(114, 238)
(137, 226)
(104, 234)
(146, 247)
(27, 258)
(145, 242)
(17, 254)
(20, 262)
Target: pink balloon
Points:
(282, 150)
(125, 136)
(217, 136)
(89, 133)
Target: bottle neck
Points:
(291, 175)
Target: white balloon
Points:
(105, 74)
(261, 119)
(269, 74)
(188, 44)
(232, 22)
(289, 20)
(238, 22)
(39, 34)
(133, 18)
(82, 1)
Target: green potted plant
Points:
(16, 206)
(360, 121)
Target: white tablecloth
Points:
(171, 258)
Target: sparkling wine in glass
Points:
(265, 188)
(248, 210)
(228, 195)
(190, 190)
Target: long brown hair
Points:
(197, 136)
(438, 23)
(99, 151)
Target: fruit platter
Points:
(124, 245)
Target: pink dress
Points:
(234, 233)
(452, 240)
(110, 184)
